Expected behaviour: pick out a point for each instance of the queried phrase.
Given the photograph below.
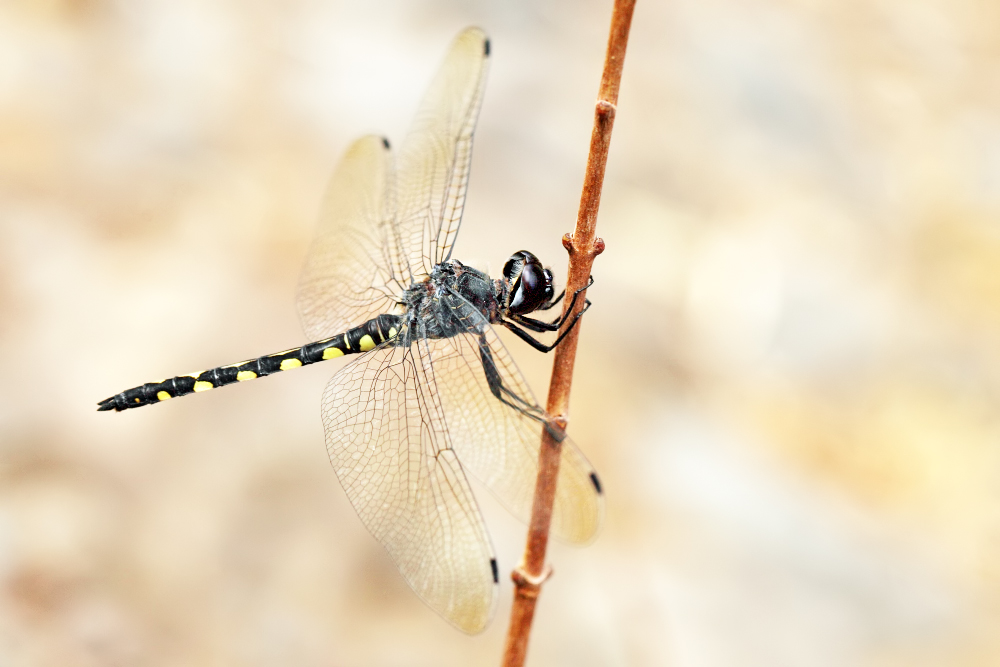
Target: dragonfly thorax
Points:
(438, 306)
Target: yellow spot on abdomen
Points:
(162, 395)
(366, 343)
(287, 364)
(245, 375)
(392, 332)
(203, 386)
(332, 353)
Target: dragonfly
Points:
(431, 393)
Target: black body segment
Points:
(366, 337)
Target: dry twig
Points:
(582, 247)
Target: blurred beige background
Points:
(788, 380)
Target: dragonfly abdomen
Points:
(353, 341)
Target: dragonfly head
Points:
(530, 283)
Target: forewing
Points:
(387, 440)
(435, 158)
(349, 276)
(498, 444)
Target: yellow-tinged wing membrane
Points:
(388, 442)
(497, 442)
(433, 167)
(380, 230)
(346, 280)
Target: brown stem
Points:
(582, 247)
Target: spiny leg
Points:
(537, 344)
(539, 326)
(499, 390)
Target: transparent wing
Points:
(387, 440)
(350, 276)
(498, 443)
(374, 241)
(435, 157)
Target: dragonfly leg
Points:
(532, 324)
(554, 324)
(539, 326)
(499, 390)
(535, 343)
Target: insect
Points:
(432, 393)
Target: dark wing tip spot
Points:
(496, 571)
(486, 48)
(596, 482)
(385, 143)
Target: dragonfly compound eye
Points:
(532, 289)
(512, 269)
